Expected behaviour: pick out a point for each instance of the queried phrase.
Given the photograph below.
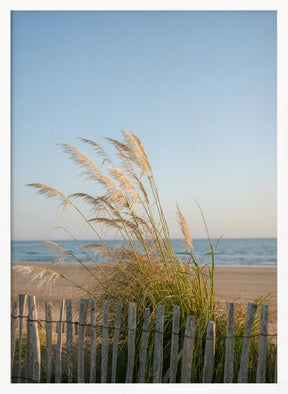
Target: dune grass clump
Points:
(130, 206)
(145, 269)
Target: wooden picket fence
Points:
(71, 344)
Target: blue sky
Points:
(198, 88)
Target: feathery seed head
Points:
(136, 152)
(185, 230)
(117, 198)
(43, 276)
(78, 156)
(122, 178)
(62, 253)
(99, 150)
(47, 191)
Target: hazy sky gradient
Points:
(198, 88)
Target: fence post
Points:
(93, 344)
(28, 351)
(261, 365)
(104, 360)
(82, 323)
(174, 344)
(22, 302)
(48, 326)
(69, 339)
(243, 372)
(158, 345)
(143, 349)
(167, 374)
(36, 357)
(115, 342)
(131, 341)
(13, 332)
(209, 353)
(229, 351)
(58, 364)
(188, 348)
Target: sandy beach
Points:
(234, 284)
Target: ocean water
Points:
(230, 252)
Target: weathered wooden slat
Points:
(131, 341)
(36, 357)
(58, 361)
(93, 344)
(13, 332)
(229, 351)
(188, 347)
(28, 352)
(158, 345)
(69, 339)
(22, 302)
(174, 344)
(209, 357)
(167, 374)
(143, 348)
(250, 316)
(48, 328)
(104, 360)
(83, 308)
(262, 353)
(115, 341)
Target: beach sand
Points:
(232, 284)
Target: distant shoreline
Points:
(112, 239)
(230, 252)
(105, 264)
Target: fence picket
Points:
(209, 353)
(104, 360)
(13, 332)
(93, 344)
(143, 348)
(58, 363)
(28, 352)
(158, 345)
(48, 327)
(188, 348)
(69, 339)
(80, 355)
(36, 357)
(261, 365)
(131, 341)
(167, 374)
(250, 316)
(22, 302)
(174, 344)
(115, 341)
(229, 351)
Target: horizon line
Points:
(113, 239)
